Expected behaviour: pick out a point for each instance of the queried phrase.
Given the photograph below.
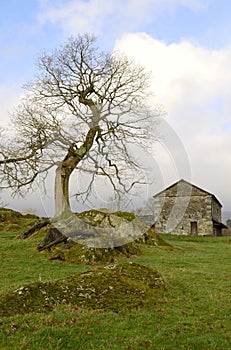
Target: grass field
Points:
(194, 312)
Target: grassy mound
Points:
(14, 221)
(153, 238)
(113, 287)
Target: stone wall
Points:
(216, 210)
(185, 210)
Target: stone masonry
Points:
(185, 209)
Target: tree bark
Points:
(36, 228)
(53, 238)
(62, 178)
(59, 196)
(65, 169)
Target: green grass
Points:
(194, 313)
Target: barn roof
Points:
(194, 186)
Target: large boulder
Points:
(96, 236)
(102, 229)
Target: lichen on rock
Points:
(112, 287)
(96, 236)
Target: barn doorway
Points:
(194, 231)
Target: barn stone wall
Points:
(216, 210)
(184, 209)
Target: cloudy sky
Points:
(186, 46)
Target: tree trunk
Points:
(62, 178)
(59, 200)
(66, 167)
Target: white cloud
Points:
(181, 71)
(194, 85)
(111, 16)
(77, 15)
(210, 160)
(186, 78)
(9, 98)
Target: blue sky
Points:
(28, 27)
(185, 43)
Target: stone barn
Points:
(185, 209)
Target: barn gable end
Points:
(185, 209)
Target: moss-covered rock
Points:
(112, 287)
(81, 254)
(95, 236)
(101, 229)
(105, 218)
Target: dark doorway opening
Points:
(194, 231)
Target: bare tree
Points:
(87, 111)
